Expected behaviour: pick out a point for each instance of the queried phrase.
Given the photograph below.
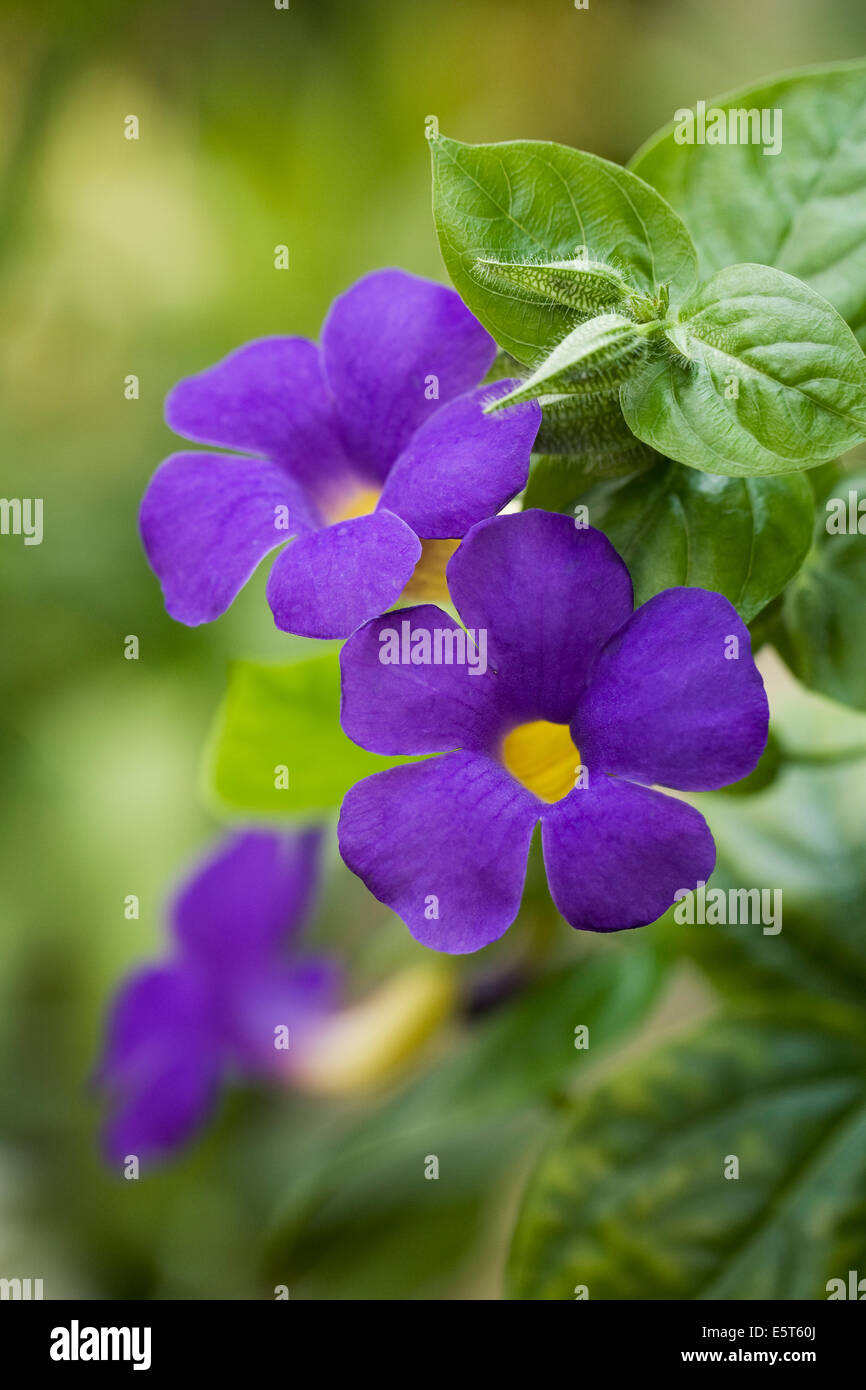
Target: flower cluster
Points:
(369, 447)
(549, 701)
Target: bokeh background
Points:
(155, 257)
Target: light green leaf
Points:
(802, 210)
(534, 201)
(743, 537)
(822, 635)
(631, 1198)
(768, 379)
(802, 843)
(286, 717)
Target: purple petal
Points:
(328, 583)
(171, 1104)
(616, 854)
(444, 843)
(549, 595)
(416, 707)
(389, 342)
(206, 522)
(162, 1063)
(669, 703)
(269, 397)
(272, 1003)
(245, 899)
(157, 1003)
(462, 465)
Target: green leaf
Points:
(286, 716)
(358, 1218)
(768, 379)
(533, 201)
(803, 842)
(631, 1198)
(386, 1232)
(743, 537)
(803, 210)
(822, 636)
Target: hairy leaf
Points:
(768, 378)
(594, 357)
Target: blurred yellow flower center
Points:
(543, 757)
(428, 583)
(360, 501)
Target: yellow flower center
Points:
(543, 757)
(358, 501)
(428, 583)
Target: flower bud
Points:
(587, 285)
(590, 428)
(369, 1042)
(596, 357)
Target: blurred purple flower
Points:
(359, 448)
(176, 1029)
(578, 707)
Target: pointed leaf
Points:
(527, 201)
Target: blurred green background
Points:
(305, 127)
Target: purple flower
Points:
(360, 448)
(223, 999)
(578, 707)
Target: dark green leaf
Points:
(359, 1219)
(743, 537)
(822, 635)
(631, 1199)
